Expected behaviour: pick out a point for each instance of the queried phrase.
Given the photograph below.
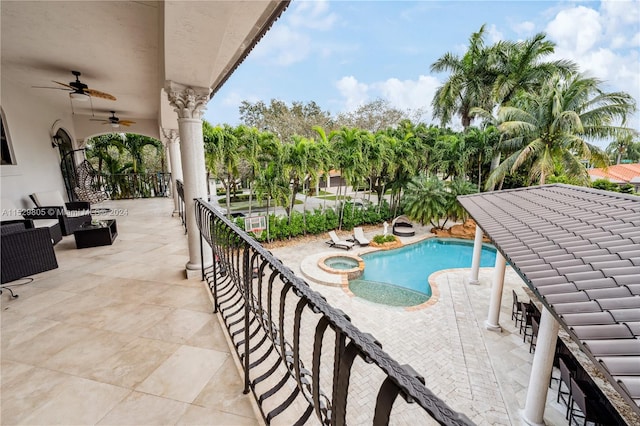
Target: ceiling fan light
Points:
(82, 97)
(114, 125)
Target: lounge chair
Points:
(70, 215)
(338, 243)
(358, 236)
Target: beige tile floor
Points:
(116, 335)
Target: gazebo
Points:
(578, 252)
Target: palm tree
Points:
(135, 145)
(620, 146)
(222, 157)
(98, 147)
(469, 84)
(519, 67)
(482, 144)
(347, 153)
(554, 126)
(295, 162)
(426, 200)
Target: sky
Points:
(342, 54)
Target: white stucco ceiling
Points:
(127, 48)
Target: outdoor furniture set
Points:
(28, 235)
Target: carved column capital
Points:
(188, 102)
(170, 135)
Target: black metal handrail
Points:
(135, 185)
(280, 329)
(180, 192)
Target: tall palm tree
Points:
(222, 157)
(554, 126)
(469, 84)
(295, 161)
(347, 153)
(135, 145)
(519, 66)
(620, 146)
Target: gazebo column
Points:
(475, 261)
(533, 412)
(173, 145)
(496, 293)
(190, 104)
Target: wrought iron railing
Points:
(180, 191)
(136, 185)
(303, 360)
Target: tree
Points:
(283, 120)
(469, 84)
(222, 157)
(621, 147)
(98, 147)
(519, 67)
(375, 116)
(135, 145)
(554, 125)
(426, 200)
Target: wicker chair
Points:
(25, 250)
(87, 179)
(70, 215)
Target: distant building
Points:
(620, 174)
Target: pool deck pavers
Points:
(481, 373)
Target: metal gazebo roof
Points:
(578, 249)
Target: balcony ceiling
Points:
(127, 48)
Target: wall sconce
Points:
(56, 141)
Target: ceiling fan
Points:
(114, 121)
(78, 90)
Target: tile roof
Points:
(618, 173)
(578, 249)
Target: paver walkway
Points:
(479, 372)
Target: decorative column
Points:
(190, 104)
(533, 412)
(173, 145)
(496, 293)
(475, 261)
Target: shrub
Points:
(381, 239)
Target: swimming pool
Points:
(404, 272)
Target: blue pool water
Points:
(403, 273)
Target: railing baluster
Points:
(270, 323)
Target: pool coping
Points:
(313, 268)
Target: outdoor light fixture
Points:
(114, 125)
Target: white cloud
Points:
(409, 94)
(291, 38)
(577, 29)
(523, 28)
(405, 95)
(284, 46)
(313, 14)
(353, 92)
(494, 35)
(603, 43)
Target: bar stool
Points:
(565, 377)
(590, 408)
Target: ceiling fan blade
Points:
(47, 87)
(99, 94)
(126, 122)
(64, 84)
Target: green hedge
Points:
(314, 222)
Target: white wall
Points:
(29, 122)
